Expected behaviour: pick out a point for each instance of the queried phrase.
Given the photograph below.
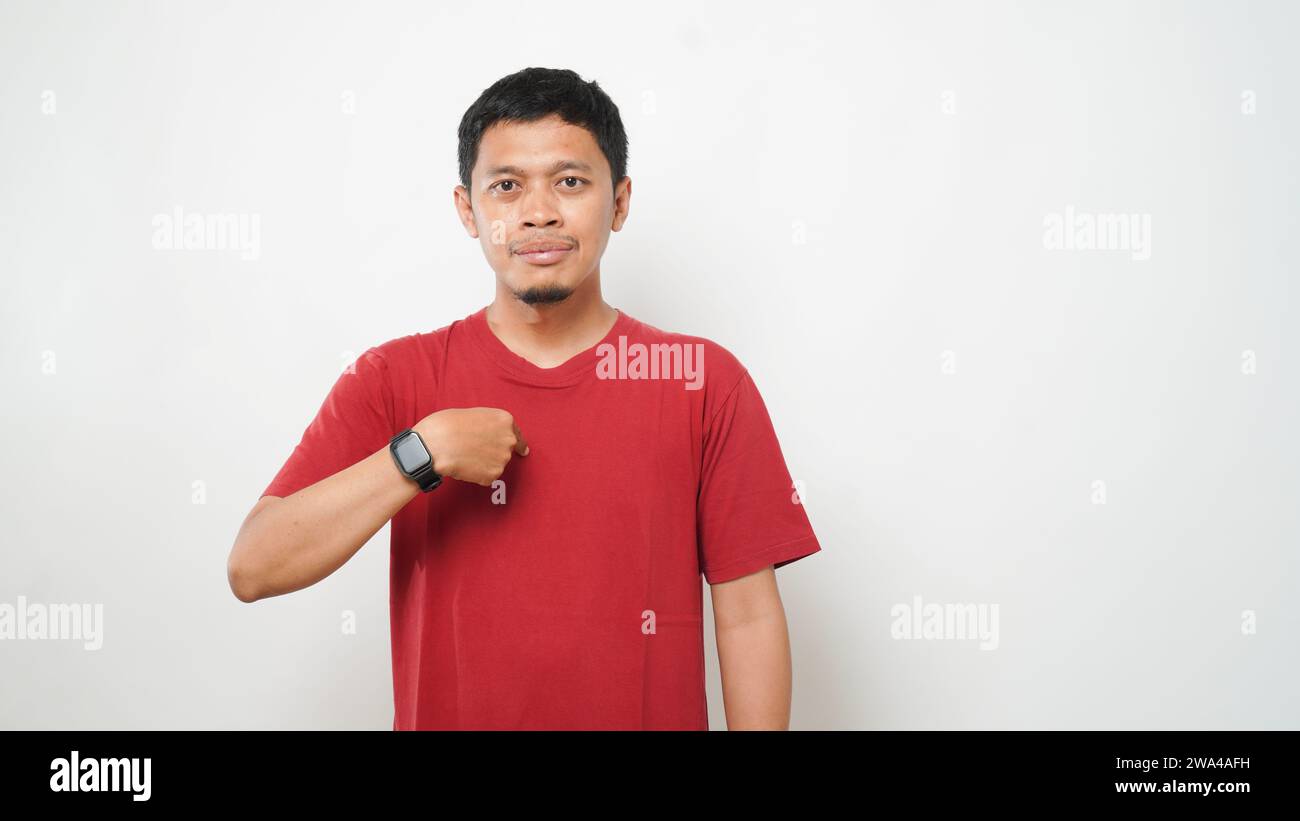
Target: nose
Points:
(539, 210)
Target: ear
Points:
(622, 202)
(465, 209)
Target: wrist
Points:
(431, 432)
(414, 459)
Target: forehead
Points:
(536, 146)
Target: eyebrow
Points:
(516, 171)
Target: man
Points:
(558, 474)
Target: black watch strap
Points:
(427, 478)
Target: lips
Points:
(542, 247)
(543, 253)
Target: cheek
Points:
(493, 233)
(586, 224)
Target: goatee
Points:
(543, 294)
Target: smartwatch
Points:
(413, 459)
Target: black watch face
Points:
(411, 454)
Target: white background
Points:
(915, 149)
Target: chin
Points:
(541, 290)
(543, 296)
(544, 278)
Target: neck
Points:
(548, 335)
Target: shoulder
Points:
(414, 346)
(721, 370)
(421, 353)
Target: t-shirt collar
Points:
(571, 371)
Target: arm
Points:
(753, 652)
(286, 544)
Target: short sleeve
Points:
(748, 513)
(354, 421)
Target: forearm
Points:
(754, 656)
(294, 542)
(291, 543)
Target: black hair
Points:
(534, 93)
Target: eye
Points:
(575, 179)
(503, 182)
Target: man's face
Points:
(537, 186)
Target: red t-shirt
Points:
(568, 597)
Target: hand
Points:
(471, 444)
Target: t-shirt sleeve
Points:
(748, 513)
(354, 421)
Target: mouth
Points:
(544, 254)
